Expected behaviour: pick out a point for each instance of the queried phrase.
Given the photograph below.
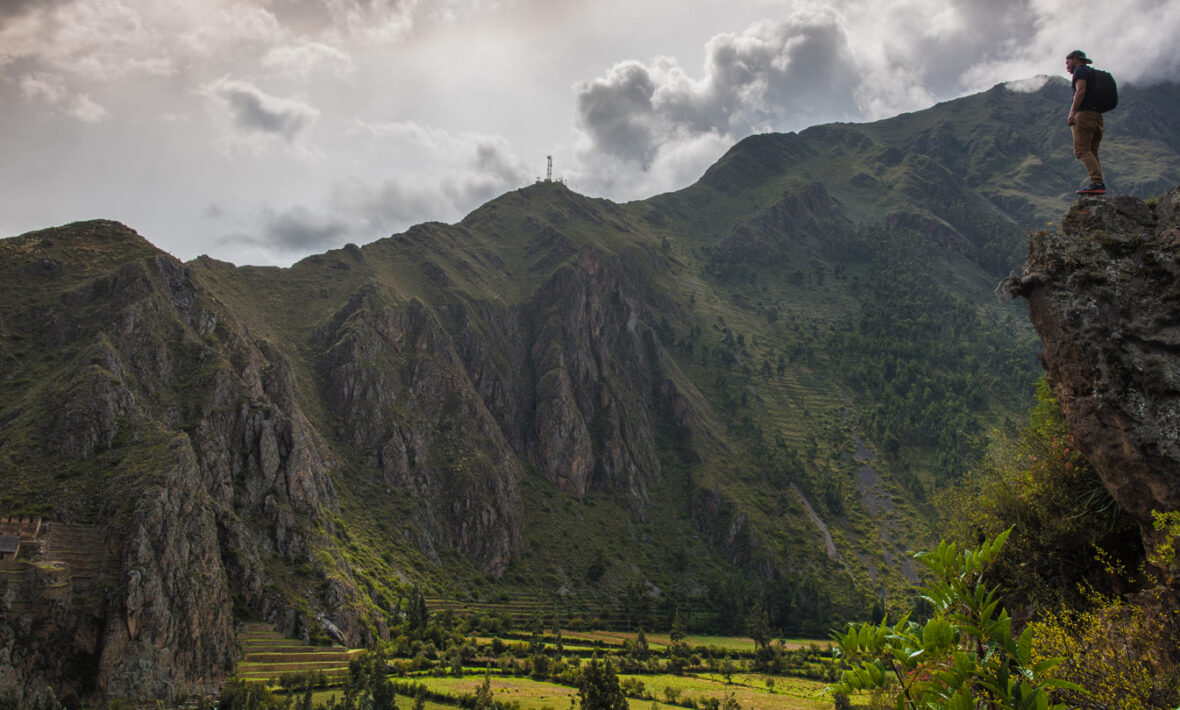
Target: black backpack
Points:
(1104, 94)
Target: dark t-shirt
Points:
(1086, 74)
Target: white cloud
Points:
(238, 28)
(51, 90)
(1029, 85)
(305, 59)
(86, 110)
(377, 21)
(96, 40)
(676, 164)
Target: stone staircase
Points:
(268, 655)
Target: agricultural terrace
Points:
(445, 662)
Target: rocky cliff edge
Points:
(1104, 295)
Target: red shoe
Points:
(1094, 188)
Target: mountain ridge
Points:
(556, 393)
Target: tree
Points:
(760, 630)
(537, 639)
(963, 657)
(640, 649)
(636, 602)
(483, 695)
(598, 687)
(678, 629)
(237, 694)
(368, 685)
(417, 615)
(597, 566)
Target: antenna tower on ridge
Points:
(549, 170)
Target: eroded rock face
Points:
(394, 378)
(595, 360)
(1104, 295)
(226, 476)
(171, 632)
(221, 450)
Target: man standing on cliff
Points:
(1086, 121)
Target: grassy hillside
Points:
(733, 401)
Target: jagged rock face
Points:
(226, 474)
(594, 364)
(175, 632)
(1104, 296)
(404, 395)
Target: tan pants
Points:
(1087, 134)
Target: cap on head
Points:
(1080, 56)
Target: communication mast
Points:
(548, 168)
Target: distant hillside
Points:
(730, 400)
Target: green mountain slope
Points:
(731, 399)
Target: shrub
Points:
(963, 656)
(1119, 652)
(238, 694)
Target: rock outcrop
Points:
(1104, 295)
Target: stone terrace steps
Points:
(82, 548)
(79, 554)
(13, 598)
(266, 655)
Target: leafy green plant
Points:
(964, 656)
(1167, 524)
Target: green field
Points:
(404, 702)
(751, 691)
(531, 694)
(657, 640)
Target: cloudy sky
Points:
(261, 131)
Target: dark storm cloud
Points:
(617, 112)
(379, 20)
(299, 230)
(774, 75)
(12, 9)
(253, 110)
(304, 16)
(471, 169)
